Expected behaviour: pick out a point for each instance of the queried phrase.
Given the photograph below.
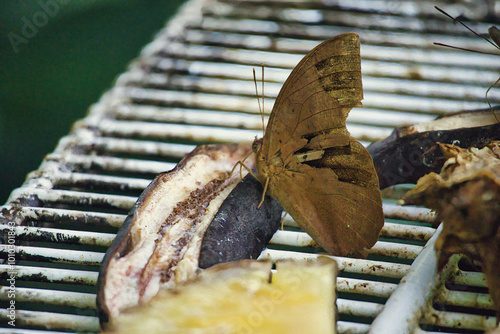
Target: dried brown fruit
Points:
(466, 198)
(404, 156)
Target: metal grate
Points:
(193, 85)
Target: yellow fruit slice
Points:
(243, 297)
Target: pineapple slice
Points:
(242, 297)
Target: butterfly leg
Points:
(487, 100)
(242, 164)
(264, 192)
(283, 220)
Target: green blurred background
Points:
(61, 69)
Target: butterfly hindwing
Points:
(336, 201)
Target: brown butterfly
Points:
(307, 159)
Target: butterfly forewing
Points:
(318, 94)
(336, 198)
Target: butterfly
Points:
(308, 161)
(494, 34)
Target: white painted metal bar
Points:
(169, 131)
(111, 164)
(352, 327)
(431, 72)
(195, 100)
(409, 213)
(63, 215)
(470, 278)
(465, 299)
(29, 331)
(407, 232)
(56, 255)
(77, 197)
(97, 181)
(141, 147)
(395, 250)
(61, 235)
(358, 266)
(55, 297)
(381, 248)
(292, 238)
(365, 287)
(406, 304)
(459, 321)
(53, 275)
(189, 116)
(52, 320)
(358, 308)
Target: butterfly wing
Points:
(335, 199)
(316, 97)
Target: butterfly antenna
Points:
(467, 27)
(487, 100)
(464, 49)
(262, 111)
(256, 90)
